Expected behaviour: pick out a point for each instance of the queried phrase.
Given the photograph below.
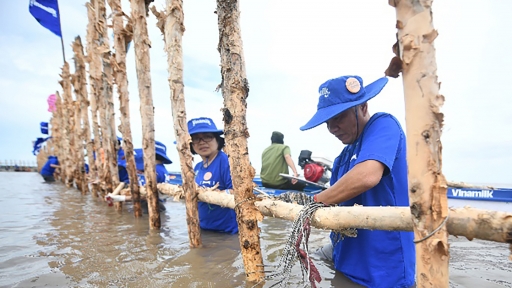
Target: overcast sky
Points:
(290, 48)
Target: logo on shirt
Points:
(207, 176)
(354, 157)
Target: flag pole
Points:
(61, 36)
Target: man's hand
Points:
(294, 181)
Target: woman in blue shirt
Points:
(212, 170)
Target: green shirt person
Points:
(275, 160)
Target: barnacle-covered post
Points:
(170, 23)
(235, 90)
(122, 36)
(427, 185)
(141, 46)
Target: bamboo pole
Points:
(94, 62)
(235, 90)
(122, 36)
(427, 184)
(82, 130)
(172, 27)
(67, 171)
(142, 45)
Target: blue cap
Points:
(139, 159)
(202, 125)
(340, 94)
(161, 150)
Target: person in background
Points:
(161, 174)
(121, 163)
(212, 170)
(370, 171)
(49, 168)
(275, 160)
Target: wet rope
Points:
(297, 248)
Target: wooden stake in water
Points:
(82, 117)
(67, 167)
(424, 122)
(94, 62)
(235, 90)
(122, 36)
(142, 45)
(171, 25)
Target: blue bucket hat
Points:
(161, 150)
(139, 159)
(202, 125)
(340, 94)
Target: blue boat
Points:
(497, 194)
(476, 194)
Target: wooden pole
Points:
(171, 25)
(424, 122)
(235, 90)
(82, 119)
(84, 105)
(94, 62)
(67, 168)
(122, 36)
(142, 45)
(57, 138)
(468, 222)
(111, 177)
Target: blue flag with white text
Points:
(38, 144)
(47, 14)
(44, 128)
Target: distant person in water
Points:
(49, 168)
(212, 170)
(161, 174)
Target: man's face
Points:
(344, 126)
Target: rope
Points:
(433, 232)
(297, 248)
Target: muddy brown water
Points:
(51, 236)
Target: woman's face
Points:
(205, 144)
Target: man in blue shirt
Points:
(49, 168)
(370, 171)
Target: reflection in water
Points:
(54, 235)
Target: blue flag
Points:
(38, 143)
(47, 14)
(44, 128)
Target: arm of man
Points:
(359, 179)
(290, 163)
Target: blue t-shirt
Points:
(211, 216)
(48, 170)
(161, 175)
(377, 258)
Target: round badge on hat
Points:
(353, 86)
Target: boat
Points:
(317, 173)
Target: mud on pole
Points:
(142, 45)
(170, 23)
(122, 36)
(427, 185)
(94, 61)
(82, 119)
(235, 90)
